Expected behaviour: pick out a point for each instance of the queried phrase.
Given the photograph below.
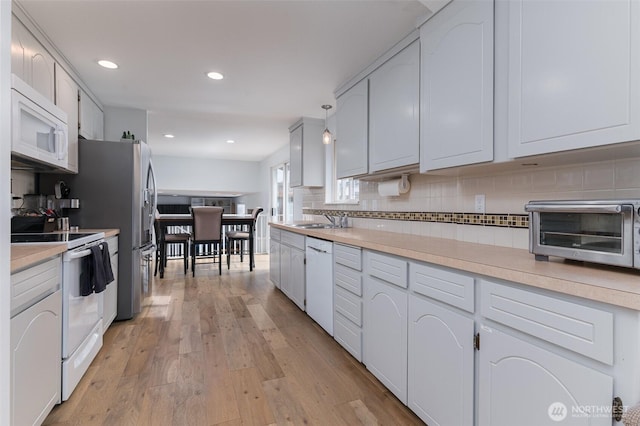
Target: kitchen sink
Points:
(313, 226)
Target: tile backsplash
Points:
(505, 193)
(22, 182)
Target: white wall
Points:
(179, 175)
(5, 170)
(118, 120)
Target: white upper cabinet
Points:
(30, 61)
(306, 153)
(91, 118)
(295, 156)
(352, 131)
(456, 98)
(67, 100)
(574, 74)
(394, 92)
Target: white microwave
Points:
(39, 129)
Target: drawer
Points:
(349, 305)
(348, 279)
(348, 256)
(274, 233)
(348, 335)
(387, 268)
(582, 329)
(448, 286)
(34, 283)
(292, 239)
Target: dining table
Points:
(228, 220)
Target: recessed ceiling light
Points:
(215, 75)
(169, 135)
(107, 64)
(231, 141)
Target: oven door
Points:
(81, 322)
(80, 314)
(600, 233)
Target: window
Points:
(281, 194)
(338, 191)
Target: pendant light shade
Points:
(327, 137)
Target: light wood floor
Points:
(229, 350)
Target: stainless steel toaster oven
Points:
(600, 231)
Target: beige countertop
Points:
(616, 286)
(24, 255)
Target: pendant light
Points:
(327, 137)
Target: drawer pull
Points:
(617, 408)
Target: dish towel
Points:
(96, 270)
(102, 273)
(631, 417)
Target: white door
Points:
(394, 103)
(525, 385)
(385, 334)
(285, 269)
(456, 111)
(274, 262)
(574, 74)
(441, 357)
(30, 61)
(352, 131)
(297, 278)
(35, 361)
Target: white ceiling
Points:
(281, 60)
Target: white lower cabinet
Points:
(274, 256)
(36, 342)
(441, 359)
(297, 284)
(385, 331)
(459, 349)
(274, 262)
(292, 276)
(110, 306)
(35, 361)
(522, 384)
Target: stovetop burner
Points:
(72, 239)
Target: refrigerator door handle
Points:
(155, 190)
(147, 250)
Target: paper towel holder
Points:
(394, 187)
(404, 182)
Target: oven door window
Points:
(597, 232)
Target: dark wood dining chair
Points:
(163, 239)
(242, 237)
(207, 229)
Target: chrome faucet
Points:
(332, 220)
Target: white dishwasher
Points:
(320, 282)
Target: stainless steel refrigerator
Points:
(116, 188)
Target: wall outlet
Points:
(480, 207)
